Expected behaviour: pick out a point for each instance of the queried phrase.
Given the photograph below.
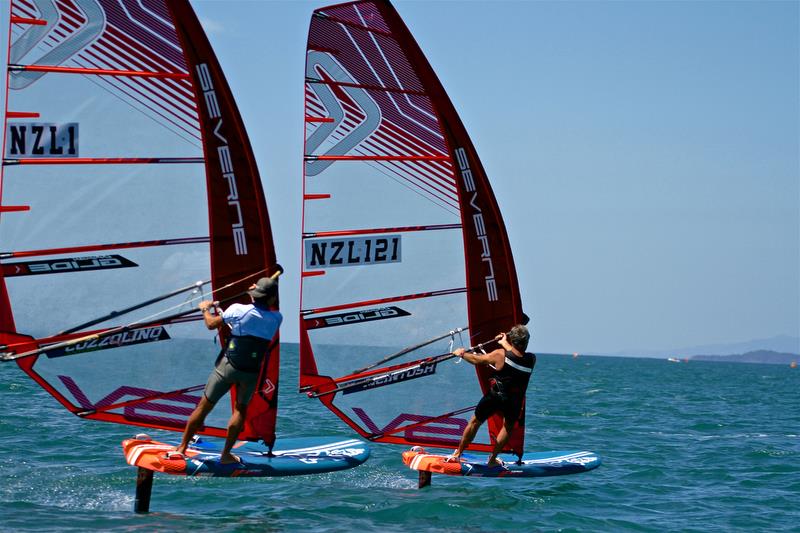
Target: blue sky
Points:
(645, 155)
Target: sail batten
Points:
(28, 21)
(106, 161)
(365, 86)
(368, 231)
(97, 71)
(14, 208)
(399, 174)
(389, 299)
(376, 158)
(22, 114)
(101, 247)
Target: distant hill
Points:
(757, 356)
(779, 343)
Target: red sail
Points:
(241, 237)
(390, 167)
(140, 179)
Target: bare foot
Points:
(229, 459)
(495, 462)
(173, 455)
(178, 453)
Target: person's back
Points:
(515, 374)
(253, 327)
(256, 320)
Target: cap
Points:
(264, 287)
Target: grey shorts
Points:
(224, 376)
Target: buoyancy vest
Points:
(512, 379)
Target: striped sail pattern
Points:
(405, 255)
(127, 175)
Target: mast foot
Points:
(144, 487)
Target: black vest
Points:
(512, 378)
(246, 352)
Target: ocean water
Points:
(686, 447)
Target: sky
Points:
(645, 155)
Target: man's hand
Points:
(503, 341)
(213, 321)
(459, 352)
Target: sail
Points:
(129, 192)
(405, 254)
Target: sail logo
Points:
(41, 140)
(327, 253)
(313, 457)
(225, 160)
(320, 66)
(50, 36)
(480, 227)
(357, 317)
(269, 386)
(445, 430)
(418, 371)
(138, 404)
(117, 340)
(74, 264)
(571, 460)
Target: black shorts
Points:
(492, 403)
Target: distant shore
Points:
(757, 356)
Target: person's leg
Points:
(196, 420)
(502, 439)
(483, 410)
(466, 438)
(245, 387)
(235, 425)
(217, 386)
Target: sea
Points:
(697, 446)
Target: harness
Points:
(246, 352)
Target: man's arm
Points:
(212, 321)
(479, 358)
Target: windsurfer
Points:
(513, 367)
(253, 327)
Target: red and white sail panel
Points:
(126, 174)
(402, 237)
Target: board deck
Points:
(291, 457)
(534, 464)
